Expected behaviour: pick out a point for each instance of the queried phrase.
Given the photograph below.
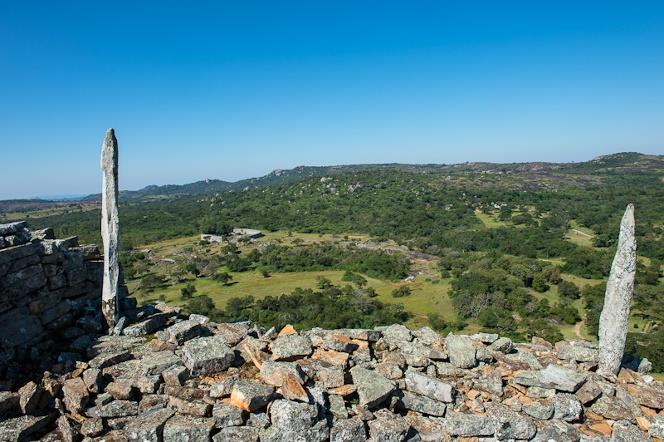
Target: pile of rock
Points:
(165, 377)
(45, 283)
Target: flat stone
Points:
(372, 387)
(423, 404)
(576, 352)
(657, 426)
(567, 407)
(250, 396)
(396, 335)
(428, 386)
(611, 408)
(276, 373)
(348, 430)
(237, 434)
(30, 395)
(189, 407)
(188, 429)
(464, 424)
(510, 425)
(624, 431)
(176, 375)
(648, 395)
(183, 331)
(92, 427)
(120, 389)
(388, 427)
(226, 415)
(207, 355)
(148, 326)
(290, 347)
(104, 360)
(114, 409)
(461, 350)
(75, 394)
(148, 426)
(542, 410)
(553, 376)
(155, 363)
(223, 388)
(294, 419)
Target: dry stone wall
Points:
(45, 283)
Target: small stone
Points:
(190, 407)
(388, 427)
(176, 375)
(237, 434)
(589, 392)
(650, 396)
(207, 355)
(624, 431)
(226, 415)
(461, 350)
(372, 387)
(576, 352)
(223, 388)
(348, 430)
(462, 424)
(68, 430)
(104, 360)
(188, 429)
(503, 345)
(396, 335)
(422, 404)
(657, 426)
(338, 406)
(148, 426)
(183, 331)
(553, 376)
(539, 410)
(568, 407)
(276, 373)
(30, 395)
(114, 409)
(611, 408)
(92, 427)
(92, 379)
(250, 396)
(290, 347)
(510, 425)
(75, 395)
(428, 386)
(120, 389)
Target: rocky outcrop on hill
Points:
(174, 378)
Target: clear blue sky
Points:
(236, 89)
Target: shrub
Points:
(402, 291)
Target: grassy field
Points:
(580, 236)
(426, 297)
(490, 221)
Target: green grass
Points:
(580, 236)
(489, 220)
(426, 297)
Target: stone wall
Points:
(44, 284)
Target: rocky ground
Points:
(166, 377)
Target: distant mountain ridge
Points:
(632, 162)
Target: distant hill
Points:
(625, 162)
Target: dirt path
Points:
(582, 233)
(577, 328)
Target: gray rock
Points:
(463, 424)
(13, 228)
(576, 352)
(176, 375)
(503, 345)
(92, 427)
(388, 427)
(258, 420)
(75, 394)
(338, 406)
(290, 347)
(657, 426)
(539, 410)
(223, 388)
(188, 429)
(207, 355)
(461, 351)
(226, 415)
(611, 408)
(237, 434)
(396, 335)
(372, 387)
(30, 395)
(567, 407)
(613, 321)
(348, 430)
(485, 338)
(183, 331)
(104, 360)
(553, 376)
(422, 404)
(276, 373)
(250, 396)
(110, 228)
(510, 425)
(428, 386)
(148, 426)
(114, 409)
(624, 431)
(22, 427)
(148, 326)
(155, 363)
(68, 430)
(589, 391)
(556, 430)
(291, 415)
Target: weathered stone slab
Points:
(423, 404)
(207, 355)
(461, 350)
(469, 425)
(553, 376)
(250, 396)
(188, 429)
(290, 347)
(372, 387)
(429, 386)
(23, 427)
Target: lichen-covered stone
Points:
(429, 386)
(372, 387)
(207, 355)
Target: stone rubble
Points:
(194, 380)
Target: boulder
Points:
(207, 355)
(461, 350)
(372, 387)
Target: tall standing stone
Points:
(619, 289)
(110, 228)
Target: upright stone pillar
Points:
(110, 228)
(619, 289)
